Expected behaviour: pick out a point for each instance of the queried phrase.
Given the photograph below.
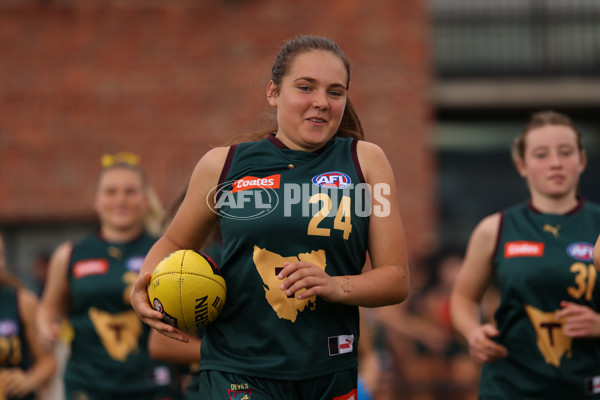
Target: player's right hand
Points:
(48, 332)
(482, 348)
(141, 305)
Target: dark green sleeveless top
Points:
(541, 260)
(269, 206)
(13, 344)
(109, 352)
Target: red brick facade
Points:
(169, 79)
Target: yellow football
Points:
(188, 289)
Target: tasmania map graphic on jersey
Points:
(553, 344)
(269, 265)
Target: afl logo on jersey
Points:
(337, 180)
(581, 251)
(134, 263)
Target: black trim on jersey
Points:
(500, 227)
(209, 259)
(70, 264)
(281, 146)
(20, 311)
(276, 142)
(354, 153)
(227, 165)
(104, 240)
(579, 206)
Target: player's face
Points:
(310, 100)
(121, 202)
(552, 163)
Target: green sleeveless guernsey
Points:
(13, 349)
(269, 206)
(109, 351)
(541, 260)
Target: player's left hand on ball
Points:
(151, 317)
(303, 275)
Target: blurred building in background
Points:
(443, 86)
(496, 62)
(169, 79)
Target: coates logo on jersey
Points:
(523, 248)
(581, 251)
(245, 198)
(336, 180)
(98, 266)
(252, 182)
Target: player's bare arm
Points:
(188, 230)
(471, 284)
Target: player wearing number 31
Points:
(545, 342)
(289, 328)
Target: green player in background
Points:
(25, 367)
(89, 283)
(545, 342)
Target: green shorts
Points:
(78, 393)
(191, 391)
(217, 385)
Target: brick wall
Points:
(169, 79)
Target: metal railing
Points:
(516, 38)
